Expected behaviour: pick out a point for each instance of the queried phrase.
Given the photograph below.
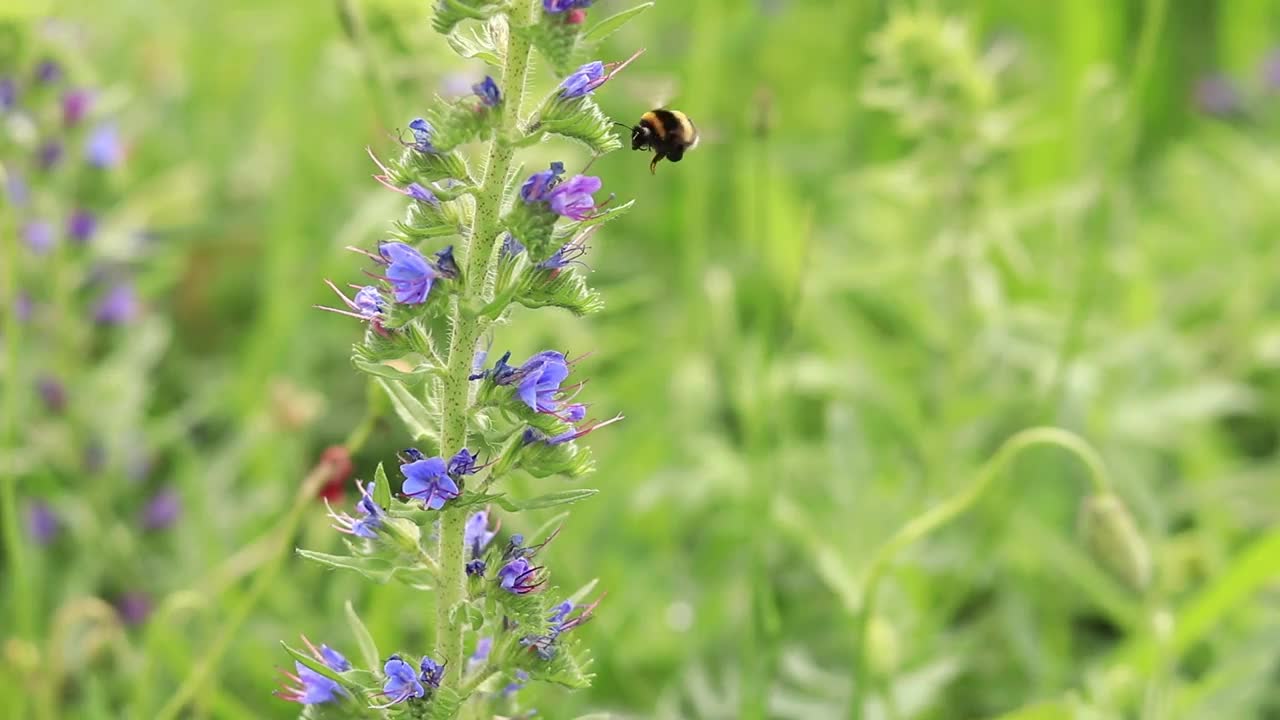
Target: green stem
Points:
(922, 525)
(466, 331)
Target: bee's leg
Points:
(653, 166)
(676, 154)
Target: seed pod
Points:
(1112, 536)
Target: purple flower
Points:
(488, 91)
(539, 381)
(1271, 71)
(368, 302)
(52, 393)
(42, 523)
(334, 659)
(484, 646)
(427, 479)
(75, 105)
(103, 148)
(521, 677)
(422, 132)
(24, 306)
(310, 687)
(520, 577)
(568, 253)
(48, 71)
(402, 682)
(49, 155)
(583, 80)
(367, 305)
(38, 236)
(476, 533)
(118, 306)
(408, 272)
(81, 225)
(432, 672)
(370, 512)
(511, 247)
(463, 463)
(573, 198)
(539, 185)
(1217, 95)
(8, 93)
(17, 190)
(421, 194)
(162, 510)
(559, 6)
(446, 265)
(575, 413)
(134, 607)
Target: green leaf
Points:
(381, 488)
(416, 417)
(483, 45)
(390, 372)
(578, 119)
(376, 569)
(564, 497)
(546, 528)
(612, 24)
(368, 649)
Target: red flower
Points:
(338, 459)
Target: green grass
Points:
(821, 325)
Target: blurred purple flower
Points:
(103, 148)
(17, 190)
(1271, 71)
(1217, 95)
(38, 235)
(48, 71)
(559, 6)
(75, 106)
(42, 523)
(134, 607)
(162, 510)
(119, 306)
(53, 393)
(49, 154)
(8, 93)
(484, 646)
(476, 533)
(24, 306)
(81, 226)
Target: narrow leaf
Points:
(381, 488)
(314, 664)
(368, 649)
(565, 497)
(612, 24)
(412, 412)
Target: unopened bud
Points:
(883, 648)
(1113, 538)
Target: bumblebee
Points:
(668, 133)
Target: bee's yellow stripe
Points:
(655, 123)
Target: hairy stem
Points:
(466, 331)
(922, 525)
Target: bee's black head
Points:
(641, 137)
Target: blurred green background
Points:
(912, 229)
